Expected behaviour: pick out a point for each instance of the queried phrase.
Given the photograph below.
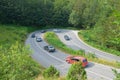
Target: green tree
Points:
(107, 31)
(116, 74)
(16, 63)
(76, 72)
(26, 12)
(75, 17)
(86, 13)
(61, 13)
(51, 72)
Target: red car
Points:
(74, 59)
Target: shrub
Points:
(116, 74)
(51, 72)
(77, 72)
(92, 55)
(16, 63)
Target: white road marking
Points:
(102, 76)
(76, 33)
(48, 53)
(64, 62)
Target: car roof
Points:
(78, 57)
(65, 35)
(50, 46)
(38, 36)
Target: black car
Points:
(38, 39)
(49, 48)
(66, 37)
(33, 35)
(43, 31)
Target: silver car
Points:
(49, 48)
(38, 39)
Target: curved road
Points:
(94, 71)
(77, 44)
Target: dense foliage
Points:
(16, 63)
(81, 13)
(92, 39)
(51, 72)
(30, 12)
(77, 72)
(116, 74)
(15, 60)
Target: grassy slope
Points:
(52, 39)
(86, 36)
(12, 33)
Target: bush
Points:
(77, 72)
(116, 74)
(51, 72)
(16, 63)
(92, 55)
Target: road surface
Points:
(77, 44)
(94, 71)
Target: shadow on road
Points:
(90, 64)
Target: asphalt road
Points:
(94, 71)
(77, 44)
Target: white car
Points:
(38, 39)
(56, 30)
(49, 48)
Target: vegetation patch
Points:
(77, 72)
(89, 37)
(51, 72)
(12, 33)
(16, 63)
(15, 60)
(52, 39)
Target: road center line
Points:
(100, 75)
(49, 54)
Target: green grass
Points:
(88, 37)
(12, 33)
(14, 57)
(52, 39)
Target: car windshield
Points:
(42, 30)
(66, 36)
(38, 37)
(75, 59)
(33, 34)
(84, 60)
(51, 47)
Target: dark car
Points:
(49, 48)
(43, 31)
(66, 37)
(38, 39)
(33, 35)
